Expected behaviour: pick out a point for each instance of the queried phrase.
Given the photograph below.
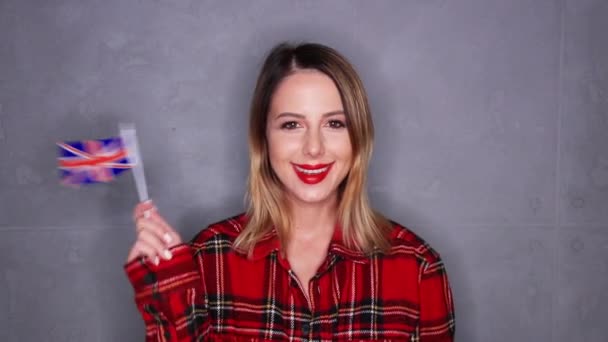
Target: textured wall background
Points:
(492, 121)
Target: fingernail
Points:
(147, 213)
(148, 201)
(167, 254)
(156, 260)
(167, 238)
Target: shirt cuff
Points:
(149, 280)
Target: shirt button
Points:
(305, 329)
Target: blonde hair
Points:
(363, 229)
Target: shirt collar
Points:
(267, 244)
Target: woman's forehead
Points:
(306, 92)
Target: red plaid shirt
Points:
(210, 292)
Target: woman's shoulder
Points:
(407, 242)
(225, 230)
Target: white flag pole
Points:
(129, 138)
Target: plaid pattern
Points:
(209, 292)
(91, 161)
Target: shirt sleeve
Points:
(437, 323)
(166, 296)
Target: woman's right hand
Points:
(154, 235)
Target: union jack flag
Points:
(92, 161)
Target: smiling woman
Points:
(311, 144)
(310, 259)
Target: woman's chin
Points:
(311, 198)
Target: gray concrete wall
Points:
(492, 121)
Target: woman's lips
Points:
(312, 174)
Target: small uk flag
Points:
(92, 161)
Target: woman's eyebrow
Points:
(302, 116)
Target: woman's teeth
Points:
(311, 172)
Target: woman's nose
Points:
(313, 145)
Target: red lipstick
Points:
(312, 174)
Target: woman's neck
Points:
(311, 233)
(313, 221)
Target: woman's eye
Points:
(336, 124)
(289, 125)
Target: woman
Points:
(309, 260)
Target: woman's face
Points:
(308, 142)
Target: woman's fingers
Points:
(153, 240)
(143, 209)
(154, 235)
(160, 227)
(140, 248)
(170, 236)
(147, 210)
(153, 226)
(150, 245)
